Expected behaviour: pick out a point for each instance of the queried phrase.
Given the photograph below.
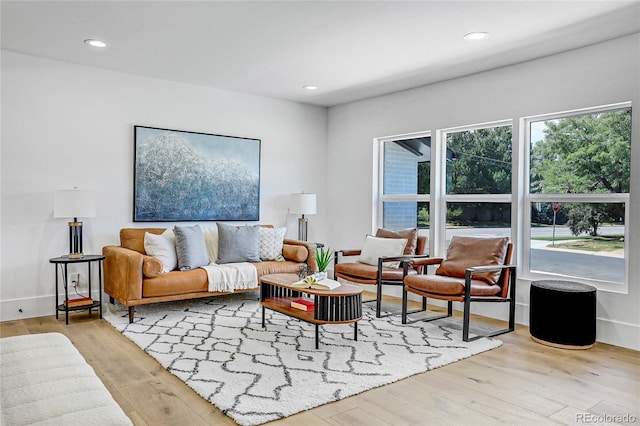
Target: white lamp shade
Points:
(74, 203)
(303, 203)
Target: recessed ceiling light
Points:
(476, 36)
(95, 43)
(310, 87)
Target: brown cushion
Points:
(133, 238)
(295, 253)
(366, 274)
(466, 252)
(449, 286)
(276, 267)
(176, 282)
(411, 234)
(151, 266)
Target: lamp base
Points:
(302, 228)
(75, 239)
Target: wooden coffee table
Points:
(338, 306)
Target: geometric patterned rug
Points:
(218, 347)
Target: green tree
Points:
(585, 154)
(479, 162)
(586, 219)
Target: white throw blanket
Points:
(231, 276)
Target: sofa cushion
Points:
(411, 234)
(375, 247)
(295, 252)
(238, 243)
(163, 248)
(271, 241)
(449, 286)
(467, 252)
(151, 266)
(190, 247)
(211, 242)
(275, 267)
(176, 282)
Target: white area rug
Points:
(254, 375)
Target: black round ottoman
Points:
(562, 314)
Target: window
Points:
(405, 180)
(572, 174)
(476, 186)
(578, 194)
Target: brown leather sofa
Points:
(134, 278)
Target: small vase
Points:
(319, 276)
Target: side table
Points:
(65, 261)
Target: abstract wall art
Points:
(189, 176)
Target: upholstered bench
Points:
(562, 314)
(45, 381)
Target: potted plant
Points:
(323, 259)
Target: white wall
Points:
(66, 125)
(600, 74)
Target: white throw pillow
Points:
(211, 241)
(375, 247)
(271, 241)
(162, 247)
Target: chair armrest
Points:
(350, 252)
(508, 286)
(339, 253)
(423, 260)
(122, 273)
(488, 268)
(417, 261)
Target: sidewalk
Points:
(546, 245)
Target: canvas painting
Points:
(188, 176)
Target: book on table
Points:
(310, 282)
(80, 301)
(303, 304)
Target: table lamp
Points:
(303, 204)
(74, 203)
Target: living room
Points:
(67, 124)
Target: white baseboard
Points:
(32, 307)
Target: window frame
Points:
(380, 196)
(439, 216)
(529, 198)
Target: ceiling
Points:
(351, 50)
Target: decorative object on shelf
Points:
(303, 304)
(303, 204)
(304, 271)
(319, 284)
(74, 203)
(323, 259)
(204, 176)
(79, 301)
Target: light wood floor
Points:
(522, 383)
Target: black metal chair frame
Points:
(381, 282)
(511, 299)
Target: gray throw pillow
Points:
(190, 247)
(238, 243)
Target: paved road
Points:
(591, 266)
